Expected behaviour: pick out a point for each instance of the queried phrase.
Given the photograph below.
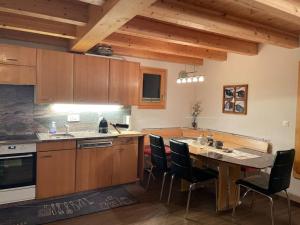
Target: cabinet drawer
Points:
(125, 141)
(17, 55)
(56, 146)
(20, 75)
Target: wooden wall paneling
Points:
(155, 30)
(91, 79)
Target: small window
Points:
(153, 91)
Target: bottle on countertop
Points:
(103, 126)
(52, 129)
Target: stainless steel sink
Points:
(63, 135)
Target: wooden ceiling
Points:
(184, 31)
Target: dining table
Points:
(229, 162)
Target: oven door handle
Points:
(17, 157)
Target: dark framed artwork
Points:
(235, 99)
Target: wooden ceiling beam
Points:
(155, 30)
(181, 13)
(106, 19)
(34, 38)
(283, 9)
(133, 42)
(39, 26)
(63, 11)
(123, 51)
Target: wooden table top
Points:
(264, 160)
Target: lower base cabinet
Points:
(103, 167)
(125, 164)
(55, 173)
(93, 168)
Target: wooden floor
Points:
(150, 211)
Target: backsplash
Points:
(19, 114)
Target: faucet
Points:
(67, 127)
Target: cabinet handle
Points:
(46, 156)
(15, 60)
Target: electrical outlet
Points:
(285, 123)
(73, 118)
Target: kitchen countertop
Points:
(87, 135)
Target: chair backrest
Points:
(280, 176)
(158, 153)
(181, 164)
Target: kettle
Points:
(103, 126)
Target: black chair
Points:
(158, 159)
(267, 185)
(181, 167)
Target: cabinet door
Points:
(124, 82)
(93, 168)
(55, 173)
(125, 164)
(18, 75)
(54, 77)
(17, 55)
(91, 76)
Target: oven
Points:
(17, 172)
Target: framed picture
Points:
(235, 99)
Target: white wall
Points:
(272, 78)
(178, 105)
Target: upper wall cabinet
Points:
(17, 65)
(153, 88)
(91, 78)
(54, 77)
(17, 55)
(124, 82)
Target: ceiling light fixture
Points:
(189, 77)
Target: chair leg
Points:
(272, 209)
(149, 178)
(170, 190)
(163, 185)
(189, 199)
(237, 200)
(289, 206)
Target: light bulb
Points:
(183, 80)
(195, 79)
(178, 81)
(201, 78)
(189, 80)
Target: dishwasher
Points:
(94, 164)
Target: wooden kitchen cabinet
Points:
(124, 82)
(54, 77)
(125, 162)
(94, 168)
(17, 55)
(55, 173)
(91, 79)
(17, 75)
